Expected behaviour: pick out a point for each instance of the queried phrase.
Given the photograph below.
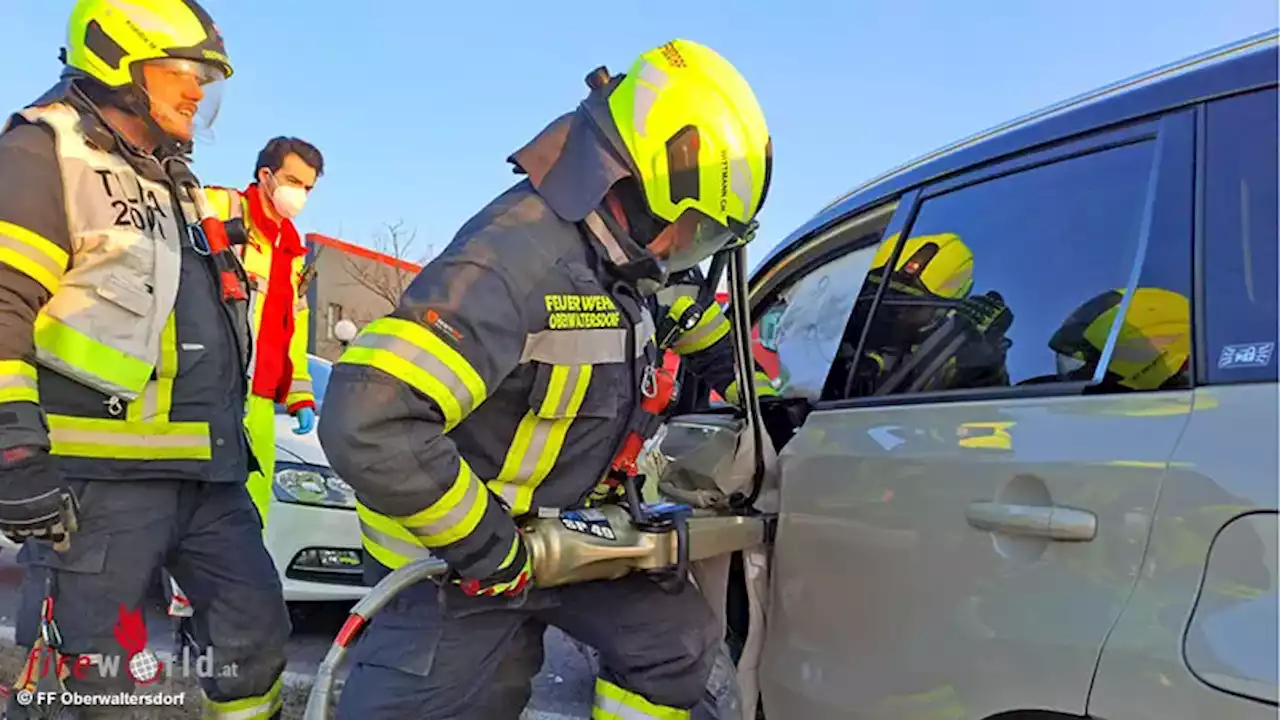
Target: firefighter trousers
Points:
(208, 537)
(434, 653)
(260, 423)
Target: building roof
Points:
(364, 252)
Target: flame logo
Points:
(131, 632)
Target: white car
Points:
(313, 534)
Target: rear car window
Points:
(1009, 281)
(1240, 226)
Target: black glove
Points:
(34, 501)
(514, 577)
(986, 312)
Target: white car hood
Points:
(304, 449)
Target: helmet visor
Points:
(1068, 366)
(185, 95)
(698, 237)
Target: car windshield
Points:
(319, 369)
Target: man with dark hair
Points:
(124, 347)
(274, 257)
(277, 151)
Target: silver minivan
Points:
(1027, 427)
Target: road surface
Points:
(561, 691)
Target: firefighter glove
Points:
(34, 501)
(986, 312)
(764, 387)
(513, 577)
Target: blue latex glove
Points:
(306, 418)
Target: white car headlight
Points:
(312, 485)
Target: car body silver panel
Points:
(888, 603)
(1179, 652)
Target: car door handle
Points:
(1044, 521)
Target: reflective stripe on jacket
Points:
(134, 355)
(257, 256)
(505, 377)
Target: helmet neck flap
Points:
(573, 164)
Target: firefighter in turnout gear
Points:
(261, 222)
(122, 366)
(929, 314)
(506, 381)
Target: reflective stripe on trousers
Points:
(261, 707)
(614, 703)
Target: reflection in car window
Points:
(1009, 281)
(1240, 238)
(796, 338)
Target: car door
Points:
(1199, 636)
(964, 511)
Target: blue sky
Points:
(416, 105)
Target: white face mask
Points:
(288, 200)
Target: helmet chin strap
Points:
(138, 101)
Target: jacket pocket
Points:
(125, 294)
(573, 391)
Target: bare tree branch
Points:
(381, 279)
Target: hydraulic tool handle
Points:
(320, 701)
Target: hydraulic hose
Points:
(320, 701)
(563, 550)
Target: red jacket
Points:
(273, 258)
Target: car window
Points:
(1241, 222)
(1009, 281)
(796, 337)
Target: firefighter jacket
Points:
(274, 259)
(117, 354)
(505, 380)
